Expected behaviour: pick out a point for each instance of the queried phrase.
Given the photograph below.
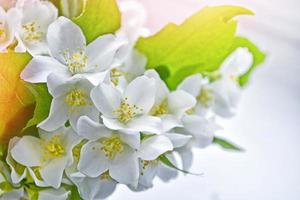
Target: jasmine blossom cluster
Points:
(111, 121)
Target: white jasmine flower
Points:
(71, 99)
(227, 90)
(201, 129)
(128, 110)
(48, 155)
(220, 96)
(94, 188)
(169, 106)
(113, 151)
(71, 55)
(9, 21)
(36, 18)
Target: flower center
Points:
(76, 61)
(77, 98)
(115, 74)
(205, 97)
(112, 146)
(126, 111)
(160, 109)
(32, 33)
(54, 147)
(2, 32)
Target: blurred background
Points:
(268, 121)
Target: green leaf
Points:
(32, 193)
(226, 144)
(164, 159)
(74, 194)
(200, 44)
(99, 17)
(258, 56)
(43, 102)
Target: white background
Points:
(268, 122)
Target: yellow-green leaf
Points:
(199, 44)
(99, 17)
(16, 101)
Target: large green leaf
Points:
(226, 144)
(16, 102)
(43, 101)
(99, 17)
(200, 44)
(258, 56)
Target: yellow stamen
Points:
(32, 33)
(112, 146)
(160, 109)
(54, 147)
(76, 61)
(146, 164)
(126, 111)
(205, 97)
(115, 74)
(76, 98)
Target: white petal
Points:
(113, 124)
(146, 123)
(169, 122)
(180, 101)
(96, 78)
(148, 174)
(53, 171)
(201, 128)
(95, 188)
(50, 194)
(154, 146)
(141, 92)
(28, 151)
(125, 167)
(187, 158)
(192, 85)
(54, 81)
(41, 67)
(93, 161)
(57, 116)
(101, 52)
(237, 63)
(106, 98)
(162, 90)
(132, 138)
(178, 140)
(64, 35)
(90, 129)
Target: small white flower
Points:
(71, 99)
(9, 21)
(128, 110)
(113, 151)
(71, 55)
(48, 155)
(201, 129)
(169, 106)
(222, 95)
(36, 18)
(94, 188)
